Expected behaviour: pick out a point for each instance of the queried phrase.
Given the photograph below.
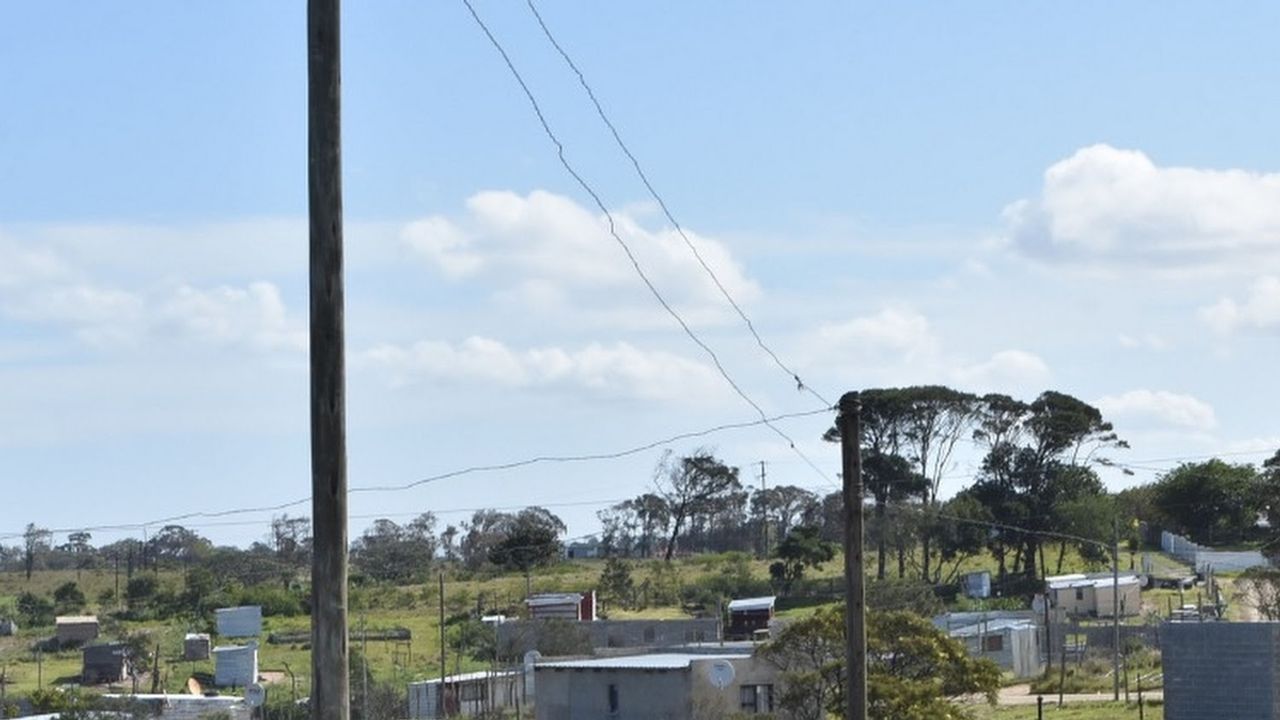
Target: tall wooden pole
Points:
(855, 609)
(330, 681)
(1115, 607)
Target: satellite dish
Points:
(255, 695)
(721, 674)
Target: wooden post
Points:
(444, 669)
(1115, 607)
(855, 610)
(330, 679)
(1062, 669)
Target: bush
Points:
(275, 601)
(34, 610)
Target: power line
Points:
(613, 232)
(644, 178)
(551, 459)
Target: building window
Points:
(1079, 593)
(472, 692)
(993, 643)
(756, 698)
(613, 699)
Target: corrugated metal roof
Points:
(992, 626)
(468, 677)
(553, 599)
(1064, 582)
(656, 661)
(756, 603)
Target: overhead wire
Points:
(666, 211)
(548, 459)
(613, 232)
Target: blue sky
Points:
(1011, 198)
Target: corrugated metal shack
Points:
(238, 622)
(562, 606)
(466, 695)
(749, 616)
(235, 665)
(106, 663)
(195, 646)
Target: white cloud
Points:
(1109, 205)
(1005, 371)
(608, 370)
(1161, 406)
(901, 333)
(544, 241)
(1259, 311)
(253, 316)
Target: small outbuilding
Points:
(465, 695)
(8, 628)
(1012, 643)
(1095, 594)
(106, 663)
(749, 616)
(562, 606)
(195, 646)
(239, 622)
(235, 665)
(976, 584)
(76, 629)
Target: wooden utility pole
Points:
(1115, 607)
(330, 679)
(764, 512)
(855, 609)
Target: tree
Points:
(617, 584)
(1211, 502)
(35, 543)
(782, 507)
(530, 539)
(690, 487)
(397, 554)
(291, 539)
(889, 478)
(914, 670)
(175, 545)
(802, 548)
(68, 599)
(1038, 458)
(922, 424)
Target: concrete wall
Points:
(1218, 670)
(1201, 557)
(583, 694)
(708, 701)
(518, 637)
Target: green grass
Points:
(1071, 711)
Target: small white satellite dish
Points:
(721, 674)
(255, 695)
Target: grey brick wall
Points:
(1216, 670)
